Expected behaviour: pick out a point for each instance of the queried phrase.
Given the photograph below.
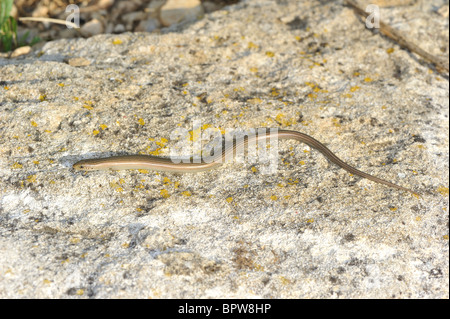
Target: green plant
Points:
(5, 9)
(8, 29)
(7, 25)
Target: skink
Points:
(167, 165)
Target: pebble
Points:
(78, 62)
(148, 25)
(155, 5)
(211, 6)
(21, 51)
(119, 28)
(91, 28)
(175, 11)
(130, 18)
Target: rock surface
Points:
(309, 231)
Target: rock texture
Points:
(309, 231)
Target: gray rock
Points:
(119, 28)
(91, 28)
(308, 231)
(176, 11)
(148, 25)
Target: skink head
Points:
(83, 165)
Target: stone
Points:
(130, 18)
(110, 27)
(210, 6)
(176, 11)
(78, 62)
(148, 25)
(155, 5)
(68, 33)
(21, 51)
(122, 8)
(105, 4)
(91, 28)
(119, 28)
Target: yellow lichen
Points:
(164, 193)
(253, 101)
(251, 45)
(31, 178)
(312, 96)
(284, 280)
(443, 190)
(75, 240)
(274, 92)
(16, 165)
